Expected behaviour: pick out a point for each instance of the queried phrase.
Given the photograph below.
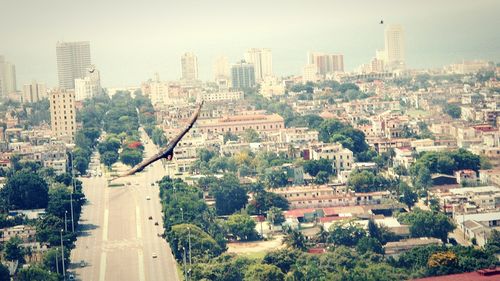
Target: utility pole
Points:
(65, 221)
(57, 264)
(189, 245)
(184, 260)
(72, 219)
(260, 219)
(62, 257)
(72, 190)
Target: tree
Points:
(345, 233)
(229, 195)
(442, 263)
(49, 259)
(275, 216)
(369, 244)
(228, 136)
(26, 190)
(158, 137)
(4, 273)
(109, 158)
(263, 201)
(427, 223)
(131, 157)
(263, 272)
(313, 167)
(423, 178)
(202, 244)
(408, 196)
(242, 226)
(250, 135)
(81, 165)
(493, 244)
(321, 178)
(205, 155)
(36, 273)
(295, 239)
(13, 251)
(453, 110)
(275, 179)
(284, 259)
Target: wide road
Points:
(118, 240)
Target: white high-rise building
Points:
(262, 60)
(189, 64)
(8, 82)
(34, 92)
(158, 90)
(89, 86)
(73, 61)
(222, 73)
(394, 47)
(310, 73)
(221, 67)
(63, 115)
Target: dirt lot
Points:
(255, 247)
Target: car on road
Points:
(156, 223)
(148, 198)
(82, 263)
(155, 256)
(150, 218)
(71, 276)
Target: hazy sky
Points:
(130, 40)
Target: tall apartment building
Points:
(221, 68)
(34, 92)
(89, 86)
(326, 63)
(222, 75)
(395, 47)
(8, 82)
(73, 61)
(63, 115)
(262, 60)
(189, 65)
(242, 75)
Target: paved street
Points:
(118, 241)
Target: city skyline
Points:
(160, 41)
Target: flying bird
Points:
(166, 152)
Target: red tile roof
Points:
(480, 275)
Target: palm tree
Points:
(295, 239)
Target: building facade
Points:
(189, 65)
(73, 60)
(34, 92)
(240, 123)
(8, 82)
(262, 60)
(242, 75)
(395, 46)
(63, 115)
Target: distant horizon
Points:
(129, 44)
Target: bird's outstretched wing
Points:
(167, 151)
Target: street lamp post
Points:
(184, 260)
(62, 256)
(182, 215)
